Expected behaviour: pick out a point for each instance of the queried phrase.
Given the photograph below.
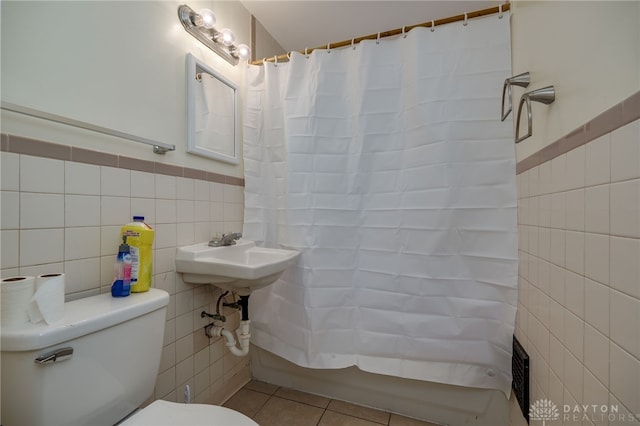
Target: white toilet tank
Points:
(116, 345)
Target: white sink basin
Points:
(242, 267)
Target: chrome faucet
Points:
(226, 240)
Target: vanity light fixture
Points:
(242, 50)
(226, 37)
(201, 26)
(208, 18)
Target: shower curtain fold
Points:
(388, 168)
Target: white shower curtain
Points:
(387, 166)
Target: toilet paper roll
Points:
(16, 295)
(47, 302)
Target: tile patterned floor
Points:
(271, 405)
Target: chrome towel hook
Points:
(521, 80)
(545, 95)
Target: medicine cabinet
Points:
(212, 113)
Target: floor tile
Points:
(359, 411)
(264, 387)
(397, 420)
(279, 412)
(246, 401)
(330, 418)
(307, 398)
(294, 408)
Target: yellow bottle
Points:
(140, 239)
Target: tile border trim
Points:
(615, 117)
(39, 148)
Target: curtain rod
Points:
(398, 31)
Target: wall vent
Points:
(520, 370)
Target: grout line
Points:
(324, 410)
(262, 406)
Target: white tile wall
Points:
(41, 174)
(81, 179)
(115, 182)
(166, 211)
(33, 204)
(598, 161)
(9, 249)
(579, 292)
(41, 246)
(10, 172)
(144, 207)
(625, 265)
(625, 152)
(61, 216)
(625, 198)
(82, 243)
(143, 184)
(185, 211)
(184, 188)
(166, 187)
(10, 212)
(82, 210)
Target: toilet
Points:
(96, 366)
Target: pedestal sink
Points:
(242, 267)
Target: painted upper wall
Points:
(119, 65)
(588, 50)
(266, 46)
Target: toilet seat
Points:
(165, 413)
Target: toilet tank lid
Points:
(82, 317)
(172, 413)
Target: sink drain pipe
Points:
(243, 331)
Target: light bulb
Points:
(242, 50)
(208, 18)
(226, 37)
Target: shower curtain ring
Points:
(305, 53)
(433, 26)
(465, 22)
(500, 11)
(353, 43)
(378, 39)
(275, 60)
(289, 56)
(328, 47)
(404, 35)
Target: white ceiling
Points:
(311, 23)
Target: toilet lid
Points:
(165, 413)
